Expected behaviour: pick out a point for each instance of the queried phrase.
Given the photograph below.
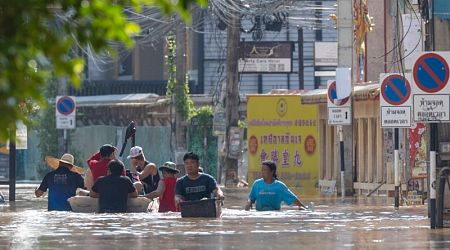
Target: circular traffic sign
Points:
(395, 89)
(332, 95)
(431, 72)
(65, 105)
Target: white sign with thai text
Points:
(397, 117)
(340, 116)
(431, 108)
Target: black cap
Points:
(107, 150)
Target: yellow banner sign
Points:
(285, 131)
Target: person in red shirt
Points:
(98, 163)
(166, 188)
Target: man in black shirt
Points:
(195, 185)
(114, 189)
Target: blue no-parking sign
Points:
(332, 96)
(431, 89)
(339, 111)
(431, 73)
(65, 105)
(395, 89)
(395, 102)
(65, 112)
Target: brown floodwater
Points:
(356, 223)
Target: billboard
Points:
(282, 129)
(265, 57)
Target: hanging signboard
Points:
(219, 120)
(265, 57)
(325, 54)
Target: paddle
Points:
(129, 133)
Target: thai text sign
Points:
(283, 130)
(395, 101)
(431, 87)
(436, 109)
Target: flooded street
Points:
(364, 223)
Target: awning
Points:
(367, 91)
(119, 100)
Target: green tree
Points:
(183, 101)
(37, 37)
(201, 139)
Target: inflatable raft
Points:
(86, 204)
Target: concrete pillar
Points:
(345, 59)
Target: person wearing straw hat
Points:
(147, 171)
(62, 182)
(166, 188)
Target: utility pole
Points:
(438, 40)
(63, 90)
(345, 60)
(232, 96)
(180, 61)
(12, 165)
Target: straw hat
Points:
(4, 150)
(66, 158)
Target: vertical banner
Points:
(283, 130)
(418, 150)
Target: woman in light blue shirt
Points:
(268, 192)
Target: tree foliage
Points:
(201, 132)
(37, 41)
(183, 101)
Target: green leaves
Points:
(41, 39)
(183, 101)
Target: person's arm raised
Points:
(95, 157)
(149, 169)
